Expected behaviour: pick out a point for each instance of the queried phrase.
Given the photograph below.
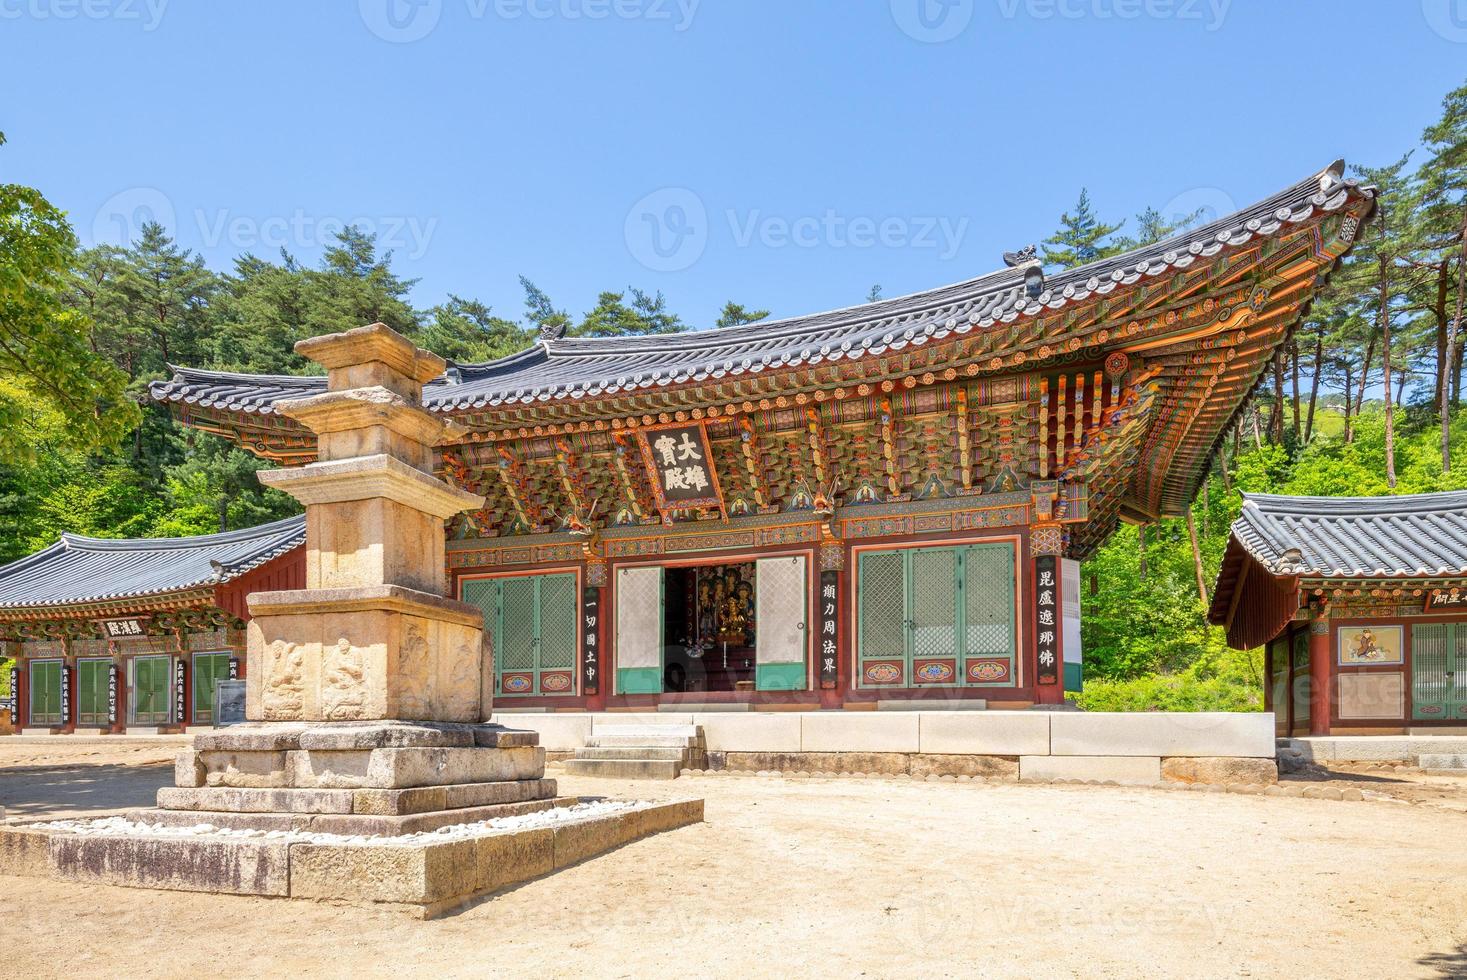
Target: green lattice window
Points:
(533, 622)
(45, 693)
(1439, 671)
(208, 668)
(150, 682)
(937, 617)
(91, 691)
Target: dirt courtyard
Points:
(828, 877)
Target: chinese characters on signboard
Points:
(1443, 599)
(681, 466)
(829, 625)
(112, 685)
(15, 695)
(119, 628)
(1046, 618)
(66, 694)
(234, 668)
(590, 642)
(180, 678)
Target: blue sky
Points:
(780, 154)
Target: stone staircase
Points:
(640, 752)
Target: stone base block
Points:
(369, 825)
(220, 866)
(426, 878)
(1199, 769)
(988, 766)
(1128, 770)
(625, 768)
(887, 763)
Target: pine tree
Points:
(1081, 238)
(734, 315)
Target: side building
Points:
(117, 635)
(1361, 606)
(879, 506)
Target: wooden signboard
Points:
(1046, 618)
(1445, 599)
(113, 686)
(829, 641)
(117, 629)
(590, 642)
(180, 690)
(680, 465)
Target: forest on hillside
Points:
(1364, 399)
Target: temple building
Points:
(871, 507)
(1361, 604)
(112, 635)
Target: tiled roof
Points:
(594, 367)
(1418, 536)
(78, 570)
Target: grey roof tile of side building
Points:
(592, 367)
(78, 569)
(1415, 536)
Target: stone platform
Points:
(423, 815)
(425, 874)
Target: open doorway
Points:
(710, 627)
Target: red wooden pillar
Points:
(1321, 675)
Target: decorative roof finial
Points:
(552, 329)
(1028, 255)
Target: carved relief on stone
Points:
(413, 669)
(285, 688)
(343, 681)
(462, 695)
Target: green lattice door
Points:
(532, 620)
(208, 668)
(936, 617)
(150, 685)
(91, 691)
(1439, 671)
(45, 681)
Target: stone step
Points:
(1450, 761)
(671, 753)
(624, 768)
(620, 731)
(643, 741)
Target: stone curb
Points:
(1293, 790)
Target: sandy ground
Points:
(835, 877)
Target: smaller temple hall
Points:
(1361, 603)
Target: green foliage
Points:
(1229, 682)
(1081, 237)
(734, 315)
(46, 358)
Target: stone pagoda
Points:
(366, 690)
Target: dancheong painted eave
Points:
(1189, 324)
(78, 570)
